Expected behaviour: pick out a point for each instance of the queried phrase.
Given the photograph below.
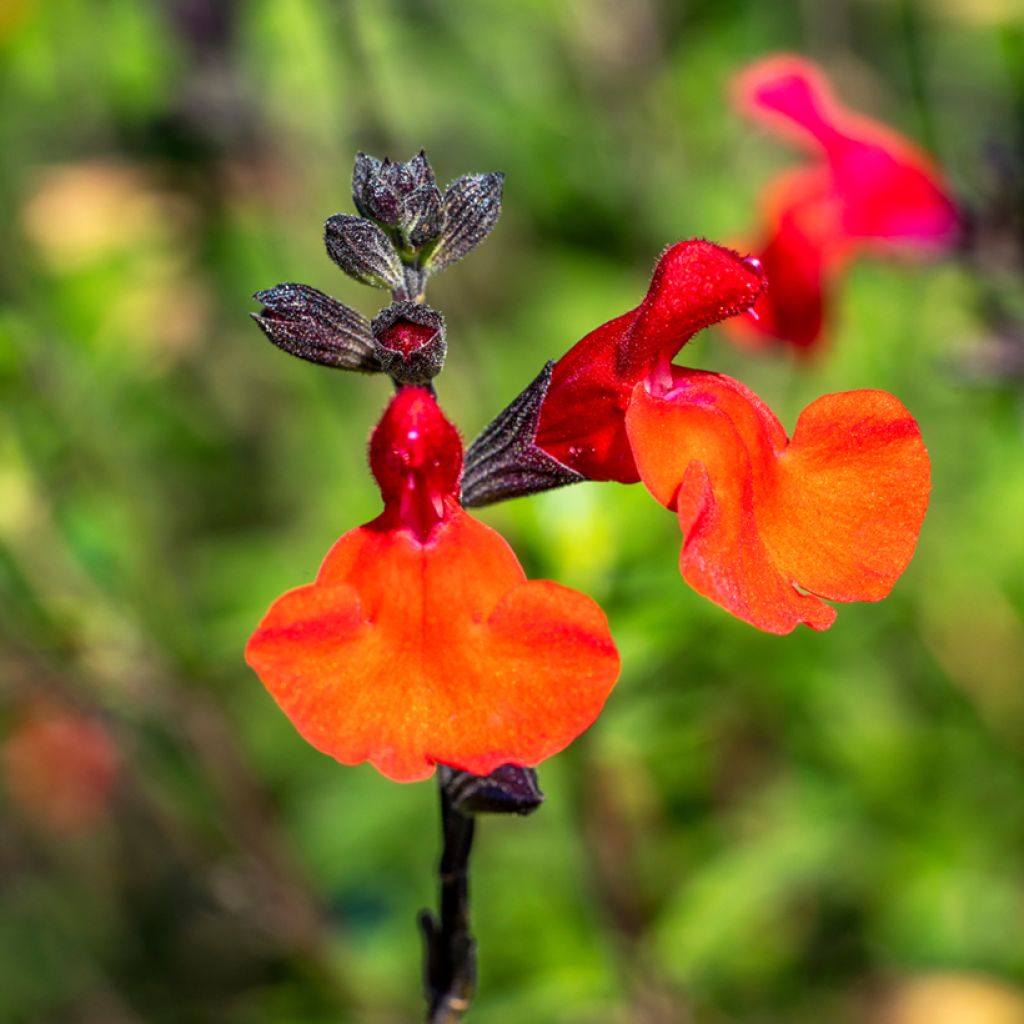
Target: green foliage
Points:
(758, 828)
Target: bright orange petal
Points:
(852, 492)
(836, 511)
(406, 654)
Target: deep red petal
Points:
(406, 654)
(695, 284)
(836, 511)
(416, 458)
(581, 421)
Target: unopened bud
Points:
(306, 323)
(471, 205)
(363, 251)
(402, 197)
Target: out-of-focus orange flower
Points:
(866, 187)
(770, 524)
(421, 641)
(60, 767)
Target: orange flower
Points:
(770, 524)
(421, 641)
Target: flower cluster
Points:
(421, 642)
(864, 187)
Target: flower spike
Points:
(421, 641)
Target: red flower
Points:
(770, 524)
(867, 186)
(421, 640)
(60, 767)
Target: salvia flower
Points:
(771, 524)
(864, 187)
(421, 642)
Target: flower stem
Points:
(449, 947)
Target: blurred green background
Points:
(821, 827)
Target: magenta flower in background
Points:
(865, 188)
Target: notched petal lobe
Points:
(835, 511)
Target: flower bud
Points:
(400, 196)
(363, 251)
(470, 205)
(409, 342)
(306, 323)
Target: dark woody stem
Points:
(450, 949)
(449, 970)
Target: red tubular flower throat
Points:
(416, 458)
(421, 641)
(582, 422)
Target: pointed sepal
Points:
(504, 461)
